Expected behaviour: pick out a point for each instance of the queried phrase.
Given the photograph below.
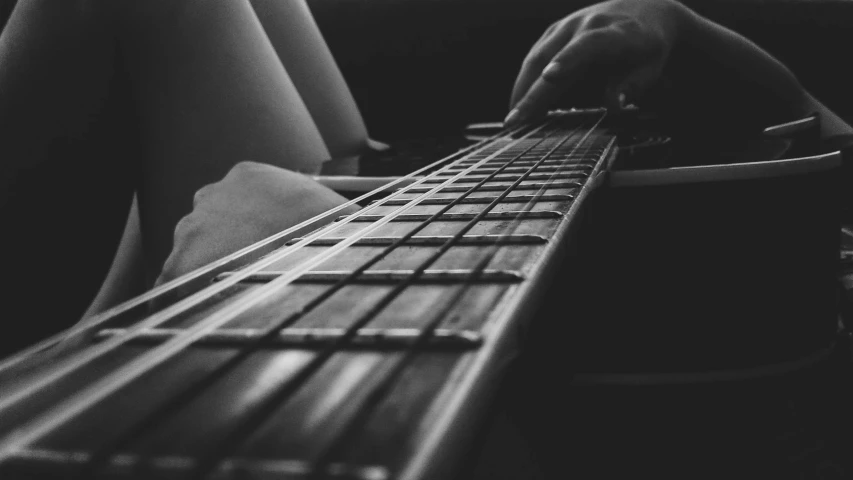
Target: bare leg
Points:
(308, 62)
(67, 170)
(126, 276)
(212, 92)
(306, 57)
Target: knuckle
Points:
(244, 167)
(537, 60)
(573, 22)
(201, 194)
(624, 30)
(597, 20)
(185, 228)
(551, 28)
(597, 36)
(559, 25)
(630, 25)
(245, 164)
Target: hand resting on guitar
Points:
(252, 202)
(662, 56)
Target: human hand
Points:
(252, 202)
(661, 56)
(624, 43)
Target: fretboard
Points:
(362, 350)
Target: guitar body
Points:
(701, 270)
(375, 348)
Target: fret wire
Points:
(176, 283)
(458, 217)
(367, 406)
(212, 459)
(190, 392)
(380, 391)
(498, 188)
(122, 376)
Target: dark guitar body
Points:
(704, 276)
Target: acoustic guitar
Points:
(372, 348)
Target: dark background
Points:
(416, 65)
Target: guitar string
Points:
(382, 388)
(285, 390)
(83, 399)
(180, 399)
(169, 287)
(430, 441)
(84, 357)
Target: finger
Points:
(632, 87)
(599, 46)
(551, 42)
(547, 34)
(201, 193)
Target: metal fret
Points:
(390, 276)
(510, 177)
(171, 465)
(484, 200)
(499, 188)
(434, 241)
(564, 151)
(540, 169)
(461, 217)
(371, 338)
(535, 156)
(522, 163)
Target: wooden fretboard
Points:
(363, 350)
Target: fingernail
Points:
(622, 100)
(512, 118)
(553, 68)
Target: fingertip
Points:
(513, 118)
(512, 103)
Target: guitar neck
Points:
(363, 350)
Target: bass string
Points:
(169, 287)
(100, 389)
(209, 461)
(440, 425)
(191, 391)
(383, 387)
